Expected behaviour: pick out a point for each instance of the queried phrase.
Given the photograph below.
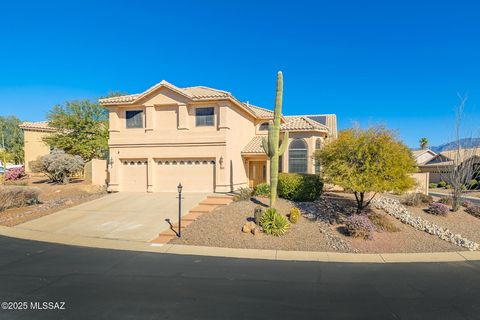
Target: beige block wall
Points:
(422, 181)
(34, 146)
(95, 172)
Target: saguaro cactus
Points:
(272, 145)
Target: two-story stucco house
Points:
(203, 138)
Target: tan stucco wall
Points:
(422, 181)
(95, 172)
(34, 146)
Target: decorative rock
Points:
(246, 228)
(255, 231)
(396, 209)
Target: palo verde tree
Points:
(82, 129)
(367, 162)
(272, 146)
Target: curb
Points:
(280, 255)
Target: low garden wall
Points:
(422, 181)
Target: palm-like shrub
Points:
(438, 208)
(58, 165)
(359, 226)
(274, 223)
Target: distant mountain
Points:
(465, 143)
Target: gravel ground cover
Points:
(53, 198)
(458, 222)
(319, 229)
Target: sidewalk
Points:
(118, 244)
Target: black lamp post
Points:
(179, 188)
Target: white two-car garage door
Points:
(134, 175)
(195, 175)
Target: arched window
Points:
(263, 126)
(297, 156)
(318, 145)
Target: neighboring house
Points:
(439, 167)
(203, 138)
(34, 147)
(423, 156)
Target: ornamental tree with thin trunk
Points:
(272, 146)
(367, 162)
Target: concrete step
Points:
(168, 232)
(192, 216)
(216, 201)
(162, 239)
(202, 208)
(185, 223)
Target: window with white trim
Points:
(297, 156)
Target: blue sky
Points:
(398, 63)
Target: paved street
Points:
(124, 215)
(108, 284)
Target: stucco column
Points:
(182, 116)
(223, 116)
(150, 168)
(113, 172)
(150, 118)
(113, 120)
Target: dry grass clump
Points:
(17, 196)
(382, 223)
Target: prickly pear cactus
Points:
(272, 146)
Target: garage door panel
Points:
(195, 175)
(134, 175)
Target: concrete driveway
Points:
(124, 215)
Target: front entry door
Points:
(257, 172)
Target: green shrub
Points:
(294, 215)
(257, 214)
(442, 184)
(17, 196)
(274, 223)
(299, 187)
(243, 194)
(262, 189)
(432, 185)
(416, 199)
(449, 186)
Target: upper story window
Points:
(204, 117)
(134, 118)
(297, 156)
(263, 126)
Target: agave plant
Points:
(274, 223)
